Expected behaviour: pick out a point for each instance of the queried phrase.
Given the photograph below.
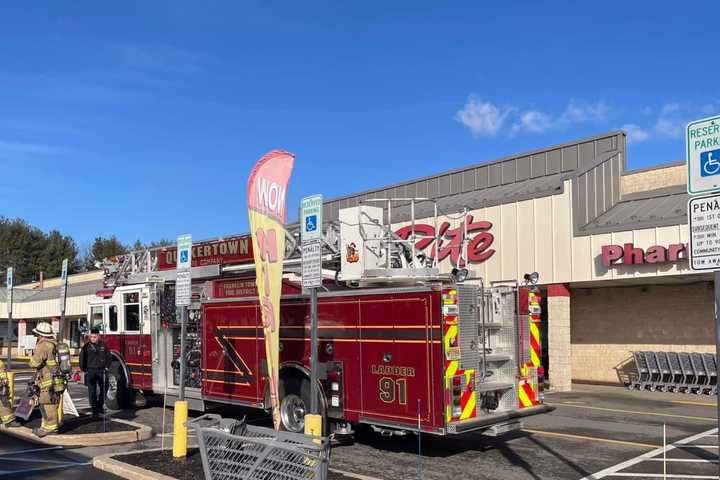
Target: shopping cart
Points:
(232, 450)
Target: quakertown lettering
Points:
(629, 254)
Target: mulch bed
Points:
(188, 469)
(82, 425)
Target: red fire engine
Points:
(402, 347)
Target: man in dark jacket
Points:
(94, 361)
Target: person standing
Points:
(94, 361)
(44, 361)
(7, 417)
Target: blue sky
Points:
(143, 119)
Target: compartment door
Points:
(230, 352)
(395, 338)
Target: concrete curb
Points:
(142, 432)
(107, 463)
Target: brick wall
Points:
(608, 323)
(654, 179)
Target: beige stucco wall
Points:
(56, 282)
(537, 236)
(608, 323)
(654, 179)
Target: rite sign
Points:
(703, 155)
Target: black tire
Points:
(119, 394)
(295, 395)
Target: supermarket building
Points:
(609, 246)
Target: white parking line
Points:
(615, 470)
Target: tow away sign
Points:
(183, 280)
(704, 220)
(702, 141)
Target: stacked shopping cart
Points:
(681, 372)
(232, 450)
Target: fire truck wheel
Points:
(119, 395)
(295, 403)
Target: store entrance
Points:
(545, 351)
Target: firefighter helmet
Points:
(44, 329)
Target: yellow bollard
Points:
(60, 409)
(313, 426)
(180, 430)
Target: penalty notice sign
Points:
(704, 221)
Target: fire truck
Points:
(402, 346)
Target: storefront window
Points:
(30, 326)
(4, 329)
(76, 332)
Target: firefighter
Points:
(94, 361)
(44, 360)
(7, 417)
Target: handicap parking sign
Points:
(311, 223)
(710, 163)
(183, 256)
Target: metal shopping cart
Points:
(232, 450)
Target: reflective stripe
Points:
(3, 375)
(34, 363)
(45, 383)
(51, 363)
(7, 418)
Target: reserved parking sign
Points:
(703, 155)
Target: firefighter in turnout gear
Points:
(7, 417)
(48, 379)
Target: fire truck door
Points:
(395, 342)
(131, 338)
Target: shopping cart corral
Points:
(678, 372)
(233, 450)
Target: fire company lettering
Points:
(628, 254)
(452, 239)
(210, 253)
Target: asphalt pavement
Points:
(593, 429)
(20, 459)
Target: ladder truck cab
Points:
(402, 346)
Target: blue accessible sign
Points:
(702, 141)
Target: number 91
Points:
(389, 387)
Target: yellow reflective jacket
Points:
(44, 360)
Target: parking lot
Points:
(594, 432)
(592, 429)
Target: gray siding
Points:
(514, 177)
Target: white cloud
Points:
(532, 121)
(581, 112)
(481, 117)
(485, 118)
(635, 133)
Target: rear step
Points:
(503, 428)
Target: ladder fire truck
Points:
(402, 346)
